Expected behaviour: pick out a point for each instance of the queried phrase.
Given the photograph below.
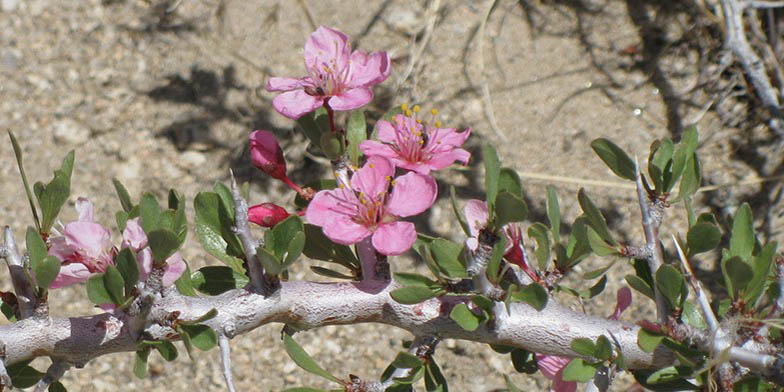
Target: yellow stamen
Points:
(388, 178)
(434, 112)
(409, 113)
(404, 107)
(438, 124)
(419, 121)
(341, 186)
(393, 182)
(372, 165)
(416, 108)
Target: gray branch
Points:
(255, 269)
(650, 224)
(23, 286)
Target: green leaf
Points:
(458, 212)
(303, 360)
(96, 290)
(129, 268)
(214, 280)
(465, 318)
(447, 256)
(19, 163)
(163, 243)
(330, 273)
(202, 336)
(553, 213)
(140, 364)
(703, 237)
(184, 284)
(648, 341)
(660, 164)
(671, 284)
(356, 132)
(679, 385)
(186, 341)
(314, 124)
(638, 284)
(165, 348)
(150, 213)
(46, 271)
(669, 374)
(685, 151)
(523, 361)
(36, 247)
(279, 238)
(603, 348)
(23, 375)
(404, 360)
(411, 295)
(56, 386)
(583, 346)
(737, 275)
(492, 174)
(319, 247)
(409, 279)
(8, 312)
(752, 384)
(614, 157)
(692, 316)
(269, 261)
(598, 272)
(113, 281)
(577, 248)
(533, 294)
(742, 238)
(596, 289)
(509, 208)
(122, 193)
(509, 180)
(296, 245)
(54, 194)
(434, 379)
(691, 178)
(761, 268)
(598, 246)
(538, 232)
(214, 230)
(579, 370)
(594, 216)
(206, 316)
(122, 219)
(226, 198)
(494, 265)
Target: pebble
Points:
(191, 160)
(70, 132)
(11, 58)
(9, 5)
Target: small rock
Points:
(9, 5)
(39, 82)
(11, 58)
(70, 132)
(191, 160)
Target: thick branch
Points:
(650, 224)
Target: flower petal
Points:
(144, 259)
(386, 131)
(444, 159)
(91, 238)
(551, 365)
(85, 209)
(412, 194)
(371, 148)
(394, 238)
(367, 70)
(174, 267)
(372, 179)
(331, 205)
(476, 215)
(559, 385)
(288, 84)
(624, 300)
(450, 137)
(351, 99)
(345, 231)
(134, 236)
(294, 104)
(326, 46)
(69, 274)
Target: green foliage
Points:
(314, 124)
(672, 285)
(283, 244)
(319, 247)
(702, 237)
(140, 362)
(594, 216)
(214, 280)
(533, 294)
(465, 318)
(214, 223)
(410, 295)
(579, 370)
(54, 194)
(20, 164)
(201, 336)
(492, 174)
(356, 133)
(303, 360)
(614, 157)
(509, 181)
(123, 195)
(23, 375)
(509, 208)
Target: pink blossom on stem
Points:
(366, 207)
(135, 238)
(84, 248)
(266, 155)
(552, 366)
(267, 214)
(417, 146)
(336, 76)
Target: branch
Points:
(53, 374)
(225, 349)
(650, 224)
(707, 312)
(255, 269)
(765, 4)
(23, 287)
(374, 265)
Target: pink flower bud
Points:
(266, 155)
(267, 214)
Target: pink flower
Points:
(135, 238)
(267, 214)
(552, 366)
(266, 155)
(84, 248)
(367, 207)
(336, 76)
(415, 146)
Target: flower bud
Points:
(267, 214)
(266, 155)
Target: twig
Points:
(650, 224)
(374, 265)
(255, 269)
(707, 312)
(23, 287)
(764, 4)
(225, 348)
(5, 379)
(54, 373)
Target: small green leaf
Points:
(186, 341)
(319, 247)
(615, 158)
(165, 348)
(122, 219)
(742, 238)
(678, 385)
(465, 318)
(598, 246)
(737, 274)
(23, 375)
(296, 245)
(492, 173)
(669, 374)
(303, 360)
(434, 379)
(523, 361)
(279, 238)
(509, 208)
(412, 295)
(761, 268)
(330, 273)
(594, 216)
(122, 193)
(447, 256)
(583, 346)
(150, 213)
(458, 212)
(648, 341)
(46, 271)
(114, 283)
(202, 336)
(603, 348)
(638, 284)
(213, 229)
(692, 316)
(702, 237)
(494, 265)
(36, 247)
(128, 267)
(660, 164)
(140, 364)
(691, 178)
(671, 284)
(56, 386)
(96, 290)
(314, 124)
(579, 370)
(214, 280)
(596, 289)
(404, 360)
(598, 272)
(533, 294)
(206, 316)
(685, 151)
(409, 279)
(163, 243)
(8, 312)
(510, 385)
(356, 132)
(269, 261)
(509, 180)
(538, 232)
(19, 163)
(184, 284)
(553, 213)
(52, 196)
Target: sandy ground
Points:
(166, 100)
